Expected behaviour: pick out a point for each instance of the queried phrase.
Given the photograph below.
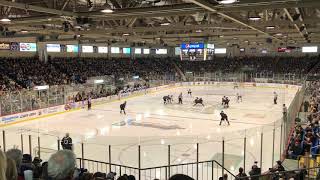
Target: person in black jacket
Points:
(66, 142)
(123, 107)
(255, 171)
(224, 117)
(242, 175)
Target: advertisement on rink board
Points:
(29, 115)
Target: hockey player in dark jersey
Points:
(190, 92)
(180, 98)
(66, 142)
(224, 117)
(123, 107)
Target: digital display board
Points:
(137, 50)
(53, 48)
(192, 46)
(126, 50)
(161, 51)
(220, 51)
(310, 49)
(146, 51)
(28, 47)
(73, 48)
(87, 49)
(177, 51)
(102, 49)
(210, 46)
(115, 50)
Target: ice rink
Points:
(153, 125)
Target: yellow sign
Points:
(4, 46)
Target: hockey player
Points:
(239, 97)
(123, 107)
(224, 117)
(165, 99)
(66, 142)
(190, 92)
(180, 98)
(89, 102)
(198, 101)
(275, 97)
(223, 100)
(227, 102)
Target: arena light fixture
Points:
(126, 34)
(199, 31)
(226, 1)
(254, 16)
(165, 24)
(5, 20)
(270, 27)
(279, 34)
(107, 10)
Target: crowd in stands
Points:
(28, 72)
(305, 138)
(280, 65)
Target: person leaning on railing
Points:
(255, 171)
(242, 175)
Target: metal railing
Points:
(12, 102)
(204, 170)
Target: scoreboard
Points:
(196, 51)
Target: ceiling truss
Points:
(192, 20)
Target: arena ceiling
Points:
(290, 22)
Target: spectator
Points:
(180, 177)
(306, 106)
(279, 167)
(11, 172)
(255, 171)
(61, 165)
(26, 164)
(242, 175)
(37, 171)
(225, 177)
(87, 176)
(16, 156)
(44, 169)
(3, 165)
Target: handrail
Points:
(90, 160)
(158, 167)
